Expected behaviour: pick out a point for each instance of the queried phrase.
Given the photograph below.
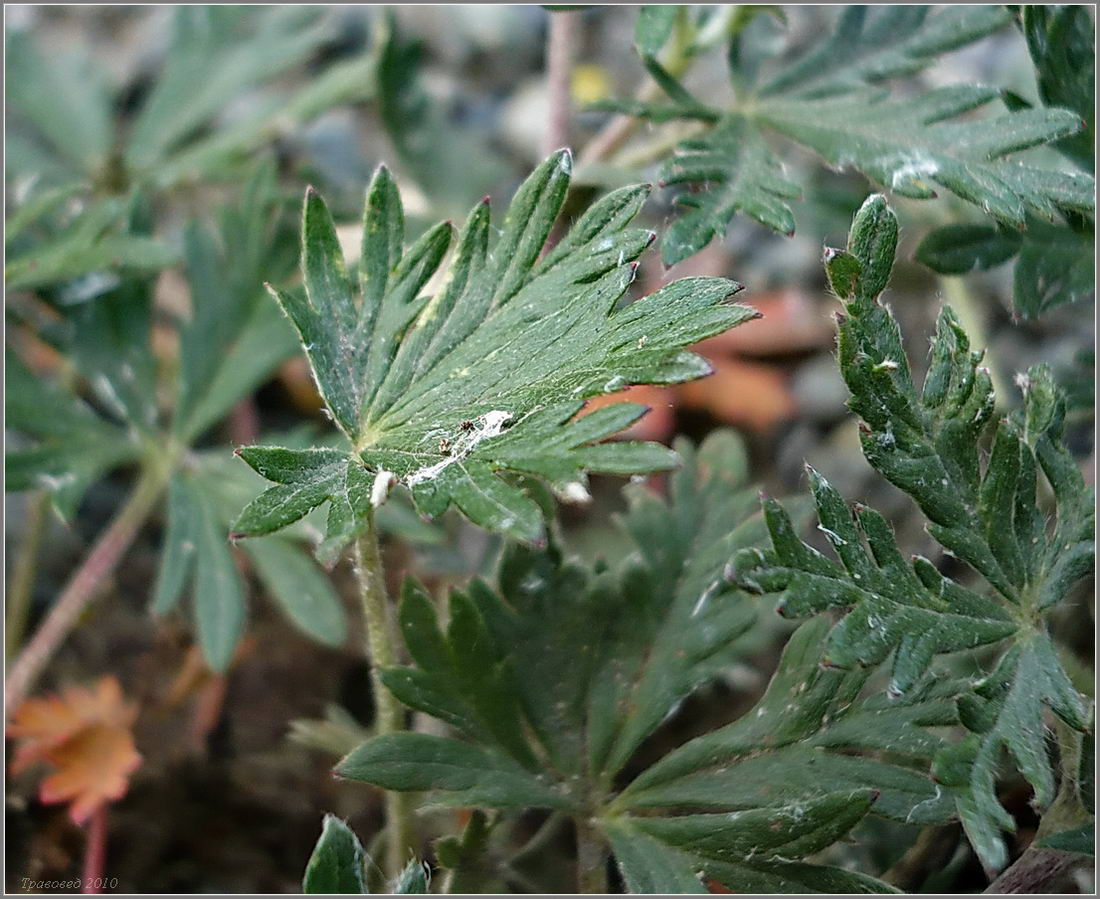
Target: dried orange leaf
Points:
(85, 733)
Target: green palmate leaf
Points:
(1062, 45)
(828, 100)
(807, 736)
(443, 392)
(559, 653)
(338, 862)
(232, 342)
(557, 676)
(983, 510)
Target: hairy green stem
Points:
(17, 605)
(84, 584)
(591, 857)
(389, 716)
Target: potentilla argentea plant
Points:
(455, 380)
(983, 508)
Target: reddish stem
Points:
(560, 46)
(95, 851)
(82, 587)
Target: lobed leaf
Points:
(487, 375)
(984, 509)
(830, 99)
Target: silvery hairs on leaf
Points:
(448, 376)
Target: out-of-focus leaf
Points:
(303, 592)
(218, 602)
(1061, 40)
(86, 734)
(418, 126)
(653, 28)
(1078, 839)
(829, 99)
(65, 261)
(468, 774)
(413, 879)
(1055, 267)
(73, 447)
(216, 53)
(961, 249)
(67, 100)
(233, 339)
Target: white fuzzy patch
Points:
(491, 424)
(383, 483)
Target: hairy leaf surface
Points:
(446, 390)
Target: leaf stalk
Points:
(382, 652)
(83, 586)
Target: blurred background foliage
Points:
(125, 125)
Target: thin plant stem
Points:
(591, 857)
(389, 716)
(85, 582)
(17, 606)
(95, 851)
(560, 45)
(622, 127)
